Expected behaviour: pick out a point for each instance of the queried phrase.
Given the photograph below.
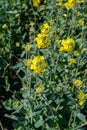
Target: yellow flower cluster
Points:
(80, 22)
(36, 2)
(28, 62)
(81, 96)
(37, 64)
(71, 3)
(40, 88)
(27, 47)
(67, 45)
(72, 61)
(78, 83)
(60, 3)
(42, 38)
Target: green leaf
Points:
(81, 117)
(18, 110)
(39, 123)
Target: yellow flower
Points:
(81, 96)
(72, 61)
(60, 3)
(28, 62)
(15, 104)
(36, 2)
(27, 47)
(43, 38)
(67, 45)
(40, 88)
(17, 15)
(78, 83)
(51, 22)
(61, 48)
(37, 64)
(76, 53)
(17, 44)
(42, 7)
(80, 1)
(79, 13)
(83, 50)
(65, 15)
(45, 28)
(70, 4)
(80, 22)
(58, 41)
(4, 26)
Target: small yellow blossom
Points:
(83, 50)
(17, 15)
(40, 88)
(17, 44)
(79, 13)
(51, 22)
(78, 83)
(76, 53)
(60, 3)
(65, 15)
(27, 62)
(72, 61)
(4, 26)
(80, 22)
(80, 1)
(81, 96)
(42, 7)
(45, 28)
(36, 2)
(58, 41)
(15, 104)
(67, 45)
(27, 47)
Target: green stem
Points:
(74, 119)
(70, 119)
(80, 126)
(52, 112)
(1, 126)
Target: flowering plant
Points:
(52, 68)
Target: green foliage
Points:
(53, 98)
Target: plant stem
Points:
(81, 126)
(1, 126)
(70, 119)
(74, 119)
